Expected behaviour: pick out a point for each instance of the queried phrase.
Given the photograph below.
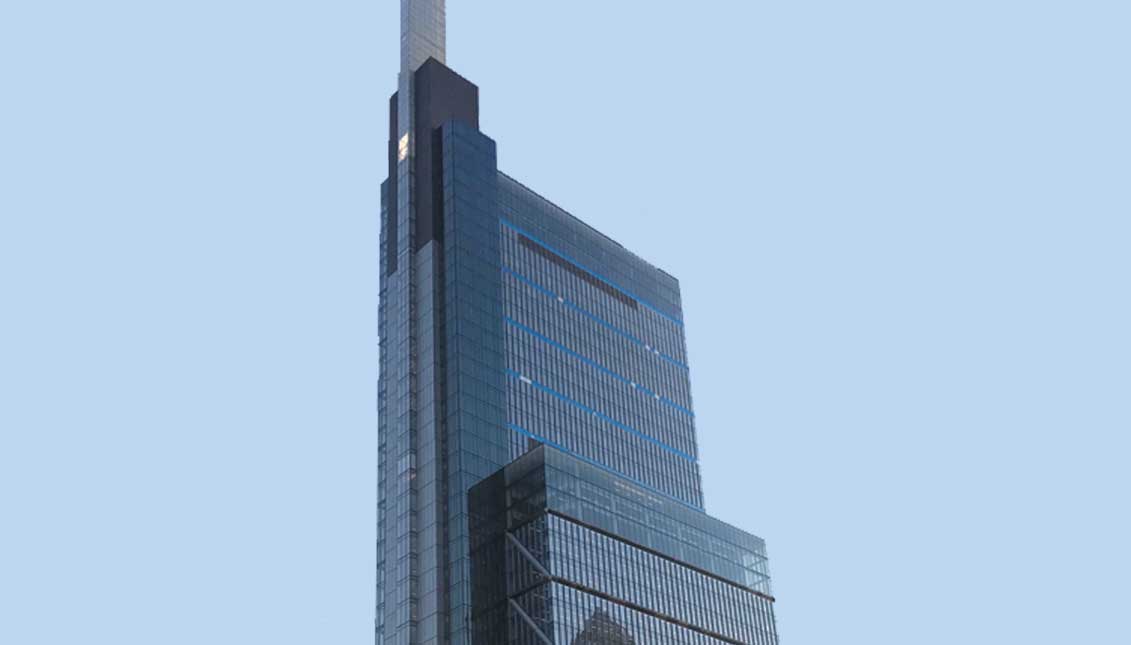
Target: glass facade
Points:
(513, 333)
(564, 552)
(592, 367)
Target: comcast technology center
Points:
(525, 352)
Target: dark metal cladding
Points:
(441, 96)
(391, 216)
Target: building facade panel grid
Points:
(563, 278)
(656, 522)
(592, 369)
(511, 330)
(660, 585)
(614, 350)
(547, 222)
(475, 442)
(611, 397)
(568, 568)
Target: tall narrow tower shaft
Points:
(422, 33)
(415, 602)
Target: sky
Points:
(902, 231)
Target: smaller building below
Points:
(566, 553)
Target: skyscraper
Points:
(514, 339)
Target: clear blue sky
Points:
(902, 231)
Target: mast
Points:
(423, 33)
(423, 36)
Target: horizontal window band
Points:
(572, 305)
(596, 275)
(577, 272)
(687, 565)
(596, 464)
(627, 604)
(597, 366)
(581, 406)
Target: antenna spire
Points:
(423, 32)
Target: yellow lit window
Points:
(402, 148)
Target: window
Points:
(402, 148)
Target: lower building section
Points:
(564, 553)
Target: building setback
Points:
(565, 552)
(516, 339)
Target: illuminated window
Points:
(402, 148)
